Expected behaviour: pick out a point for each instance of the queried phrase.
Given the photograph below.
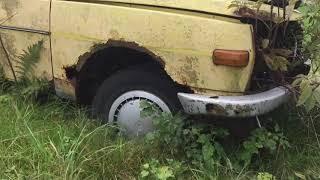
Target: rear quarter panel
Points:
(183, 40)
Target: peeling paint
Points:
(216, 109)
(235, 106)
(228, 109)
(188, 72)
(243, 109)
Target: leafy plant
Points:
(27, 84)
(169, 128)
(310, 91)
(262, 139)
(28, 61)
(265, 176)
(311, 27)
(309, 84)
(283, 58)
(154, 170)
(275, 21)
(203, 149)
(198, 143)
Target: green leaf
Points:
(208, 151)
(316, 94)
(305, 95)
(28, 60)
(164, 173)
(298, 80)
(146, 166)
(5, 98)
(144, 174)
(299, 175)
(276, 63)
(310, 103)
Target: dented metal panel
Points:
(235, 106)
(184, 42)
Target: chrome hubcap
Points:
(126, 112)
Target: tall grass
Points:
(55, 139)
(58, 141)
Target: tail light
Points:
(233, 58)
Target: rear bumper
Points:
(235, 106)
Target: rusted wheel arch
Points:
(105, 59)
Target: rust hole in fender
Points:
(71, 74)
(105, 59)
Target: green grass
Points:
(303, 157)
(57, 140)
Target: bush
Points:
(309, 85)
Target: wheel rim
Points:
(126, 112)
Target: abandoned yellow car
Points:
(194, 55)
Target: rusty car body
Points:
(179, 35)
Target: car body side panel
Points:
(31, 14)
(219, 7)
(184, 42)
(23, 24)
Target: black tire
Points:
(144, 77)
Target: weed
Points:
(262, 139)
(154, 170)
(199, 147)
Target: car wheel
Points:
(119, 97)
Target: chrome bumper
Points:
(235, 106)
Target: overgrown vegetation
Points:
(272, 30)
(27, 84)
(310, 84)
(57, 140)
(283, 48)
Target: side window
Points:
(24, 23)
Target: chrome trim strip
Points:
(24, 30)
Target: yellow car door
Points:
(24, 23)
